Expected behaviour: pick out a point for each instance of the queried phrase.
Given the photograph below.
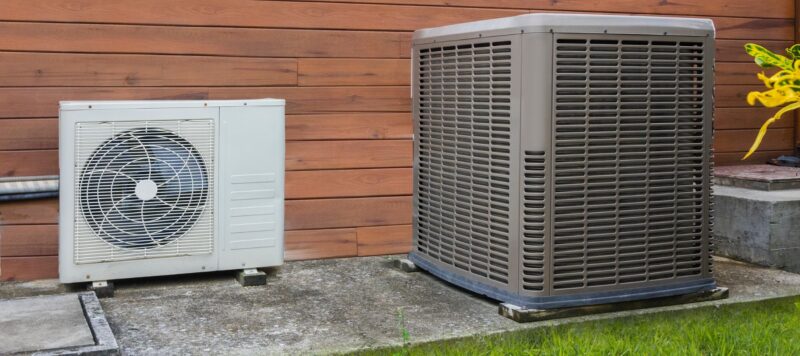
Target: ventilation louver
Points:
(143, 190)
(565, 159)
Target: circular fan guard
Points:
(143, 188)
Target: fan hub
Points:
(146, 189)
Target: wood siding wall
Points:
(343, 67)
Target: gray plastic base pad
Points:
(562, 301)
(522, 315)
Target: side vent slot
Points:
(534, 215)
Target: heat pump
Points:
(565, 159)
(153, 188)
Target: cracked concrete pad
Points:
(323, 306)
(43, 323)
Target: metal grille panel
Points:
(464, 152)
(629, 155)
(534, 217)
(143, 189)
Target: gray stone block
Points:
(762, 227)
(406, 265)
(251, 277)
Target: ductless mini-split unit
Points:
(565, 160)
(154, 188)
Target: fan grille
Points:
(144, 189)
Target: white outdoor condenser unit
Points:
(152, 188)
(565, 159)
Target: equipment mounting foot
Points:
(251, 277)
(103, 289)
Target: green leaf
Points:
(794, 51)
(765, 58)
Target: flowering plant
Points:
(783, 86)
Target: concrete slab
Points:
(314, 307)
(43, 323)
(758, 176)
(758, 226)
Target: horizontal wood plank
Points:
(778, 8)
(28, 163)
(245, 13)
(733, 50)
(42, 133)
(754, 28)
(348, 183)
(760, 157)
(327, 15)
(300, 155)
(734, 96)
(28, 268)
(349, 126)
(28, 134)
(322, 72)
(43, 102)
(324, 243)
(312, 155)
(737, 73)
(59, 69)
(28, 240)
(740, 140)
(333, 72)
(213, 41)
(348, 212)
(300, 214)
(747, 118)
(29, 212)
(53, 37)
(383, 240)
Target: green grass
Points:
(759, 328)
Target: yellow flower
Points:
(784, 85)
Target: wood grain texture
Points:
(212, 41)
(760, 157)
(327, 15)
(333, 72)
(737, 73)
(733, 96)
(741, 140)
(349, 126)
(747, 118)
(28, 240)
(43, 102)
(754, 28)
(28, 134)
(42, 133)
(309, 155)
(29, 212)
(383, 240)
(744, 8)
(245, 13)
(28, 163)
(733, 50)
(97, 70)
(348, 212)
(323, 243)
(28, 268)
(322, 72)
(348, 183)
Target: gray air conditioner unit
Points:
(565, 160)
